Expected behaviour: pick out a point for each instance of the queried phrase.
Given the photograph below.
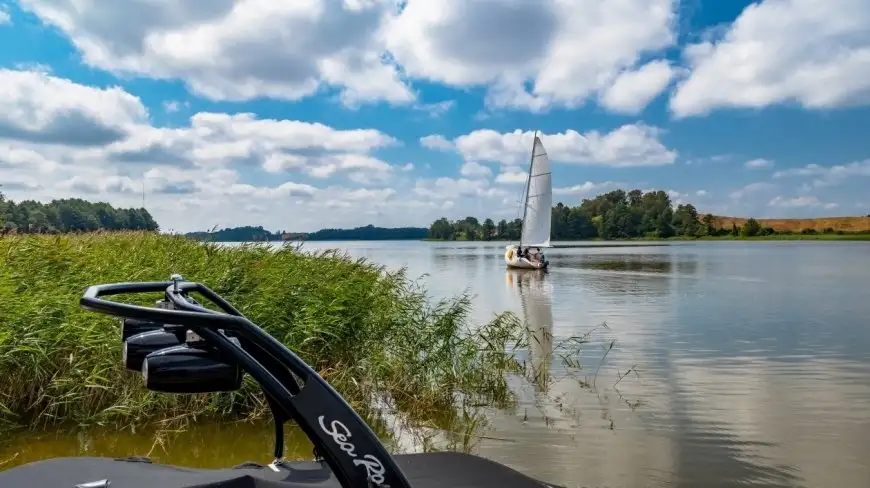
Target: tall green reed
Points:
(370, 332)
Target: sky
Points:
(339, 113)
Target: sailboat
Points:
(537, 212)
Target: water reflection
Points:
(534, 294)
(207, 444)
(773, 423)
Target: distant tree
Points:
(488, 229)
(71, 215)
(709, 226)
(615, 214)
(750, 228)
(502, 229)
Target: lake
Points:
(751, 361)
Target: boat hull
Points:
(513, 261)
(425, 470)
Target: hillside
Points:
(845, 224)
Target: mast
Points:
(528, 183)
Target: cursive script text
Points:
(341, 435)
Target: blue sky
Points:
(347, 112)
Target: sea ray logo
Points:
(340, 434)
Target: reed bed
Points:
(371, 333)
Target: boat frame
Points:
(292, 388)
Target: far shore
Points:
(773, 237)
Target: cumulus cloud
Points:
(628, 145)
(61, 139)
(587, 189)
(474, 170)
(631, 91)
(828, 175)
(512, 175)
(449, 188)
(296, 48)
(220, 169)
(800, 202)
(5, 18)
(40, 108)
(767, 57)
(370, 50)
(437, 142)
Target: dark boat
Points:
(182, 347)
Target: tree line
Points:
(366, 233)
(245, 233)
(70, 215)
(613, 215)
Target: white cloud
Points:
(370, 50)
(800, 202)
(634, 90)
(5, 18)
(59, 139)
(587, 189)
(448, 188)
(41, 108)
(828, 175)
(437, 142)
(752, 188)
(758, 163)
(629, 145)
(512, 175)
(474, 170)
(557, 46)
(296, 48)
(702, 193)
(815, 53)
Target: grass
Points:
(369, 332)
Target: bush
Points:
(369, 332)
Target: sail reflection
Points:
(535, 296)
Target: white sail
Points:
(539, 200)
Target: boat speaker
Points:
(187, 369)
(138, 346)
(131, 327)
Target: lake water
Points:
(752, 365)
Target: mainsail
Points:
(539, 199)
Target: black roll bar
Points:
(340, 436)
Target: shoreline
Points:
(774, 237)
